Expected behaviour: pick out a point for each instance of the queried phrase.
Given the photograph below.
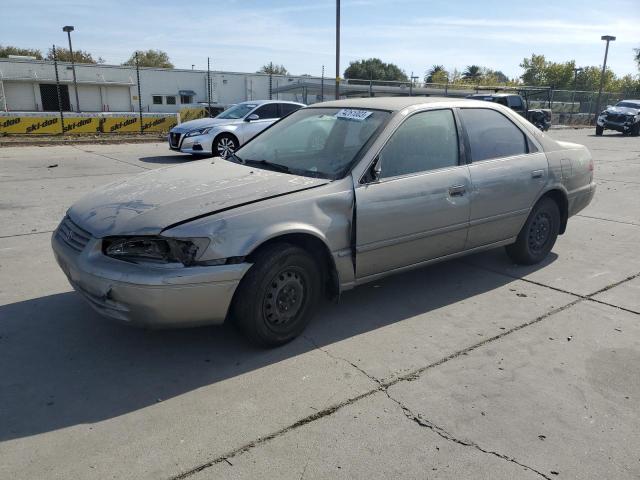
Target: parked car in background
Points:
(540, 117)
(624, 117)
(333, 196)
(224, 134)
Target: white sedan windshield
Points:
(316, 141)
(237, 111)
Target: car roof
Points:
(632, 101)
(262, 102)
(396, 103)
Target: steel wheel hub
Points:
(225, 147)
(539, 232)
(284, 298)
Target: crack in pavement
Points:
(418, 418)
(422, 422)
(608, 220)
(111, 158)
(25, 234)
(383, 386)
(557, 289)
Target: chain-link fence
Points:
(55, 97)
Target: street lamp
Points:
(69, 29)
(607, 38)
(576, 70)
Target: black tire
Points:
(224, 145)
(538, 235)
(635, 130)
(599, 130)
(278, 296)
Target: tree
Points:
(374, 69)
(637, 56)
(150, 58)
(273, 69)
(79, 56)
(473, 73)
(5, 51)
(437, 74)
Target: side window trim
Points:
(461, 159)
(527, 140)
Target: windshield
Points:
(628, 104)
(237, 111)
(320, 142)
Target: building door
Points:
(49, 95)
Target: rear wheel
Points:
(599, 130)
(635, 130)
(224, 145)
(538, 235)
(278, 296)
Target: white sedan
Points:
(224, 134)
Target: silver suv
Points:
(224, 134)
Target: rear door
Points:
(507, 175)
(418, 208)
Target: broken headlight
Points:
(155, 249)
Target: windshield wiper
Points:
(274, 166)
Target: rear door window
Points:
(491, 134)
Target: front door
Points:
(507, 173)
(418, 207)
(268, 114)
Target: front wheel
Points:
(635, 130)
(278, 296)
(599, 130)
(538, 235)
(224, 145)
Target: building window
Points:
(186, 99)
(157, 99)
(171, 100)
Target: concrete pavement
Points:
(475, 368)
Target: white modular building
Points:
(30, 86)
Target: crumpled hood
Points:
(149, 202)
(623, 110)
(202, 123)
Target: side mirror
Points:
(374, 172)
(252, 117)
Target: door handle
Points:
(537, 174)
(457, 190)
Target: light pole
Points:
(575, 80)
(337, 49)
(607, 38)
(69, 29)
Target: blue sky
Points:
(242, 35)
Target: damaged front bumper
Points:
(148, 296)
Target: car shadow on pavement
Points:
(170, 159)
(63, 365)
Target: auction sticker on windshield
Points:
(351, 114)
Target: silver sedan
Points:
(224, 134)
(331, 197)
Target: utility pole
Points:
(337, 49)
(607, 38)
(322, 85)
(209, 85)
(573, 95)
(69, 29)
(139, 93)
